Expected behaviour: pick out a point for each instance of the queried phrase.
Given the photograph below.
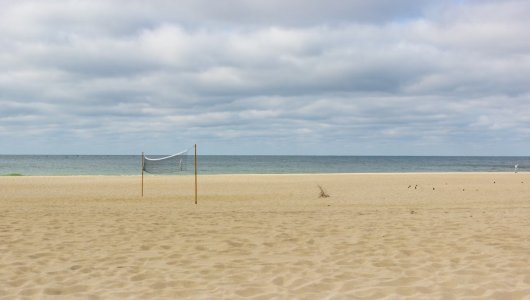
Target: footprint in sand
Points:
(39, 255)
(249, 292)
(139, 277)
(158, 285)
(75, 267)
(17, 283)
(66, 290)
(29, 292)
(278, 281)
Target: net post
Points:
(142, 174)
(195, 173)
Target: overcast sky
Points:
(330, 77)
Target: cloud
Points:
(378, 77)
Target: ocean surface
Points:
(260, 164)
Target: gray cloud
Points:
(339, 77)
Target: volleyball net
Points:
(171, 164)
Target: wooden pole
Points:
(142, 174)
(195, 173)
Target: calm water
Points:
(214, 164)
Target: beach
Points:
(377, 236)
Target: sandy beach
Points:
(378, 236)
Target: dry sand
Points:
(453, 236)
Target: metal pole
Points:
(142, 174)
(195, 173)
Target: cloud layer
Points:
(265, 77)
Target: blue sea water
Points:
(247, 164)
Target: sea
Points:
(130, 165)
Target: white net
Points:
(171, 164)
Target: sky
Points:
(271, 77)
